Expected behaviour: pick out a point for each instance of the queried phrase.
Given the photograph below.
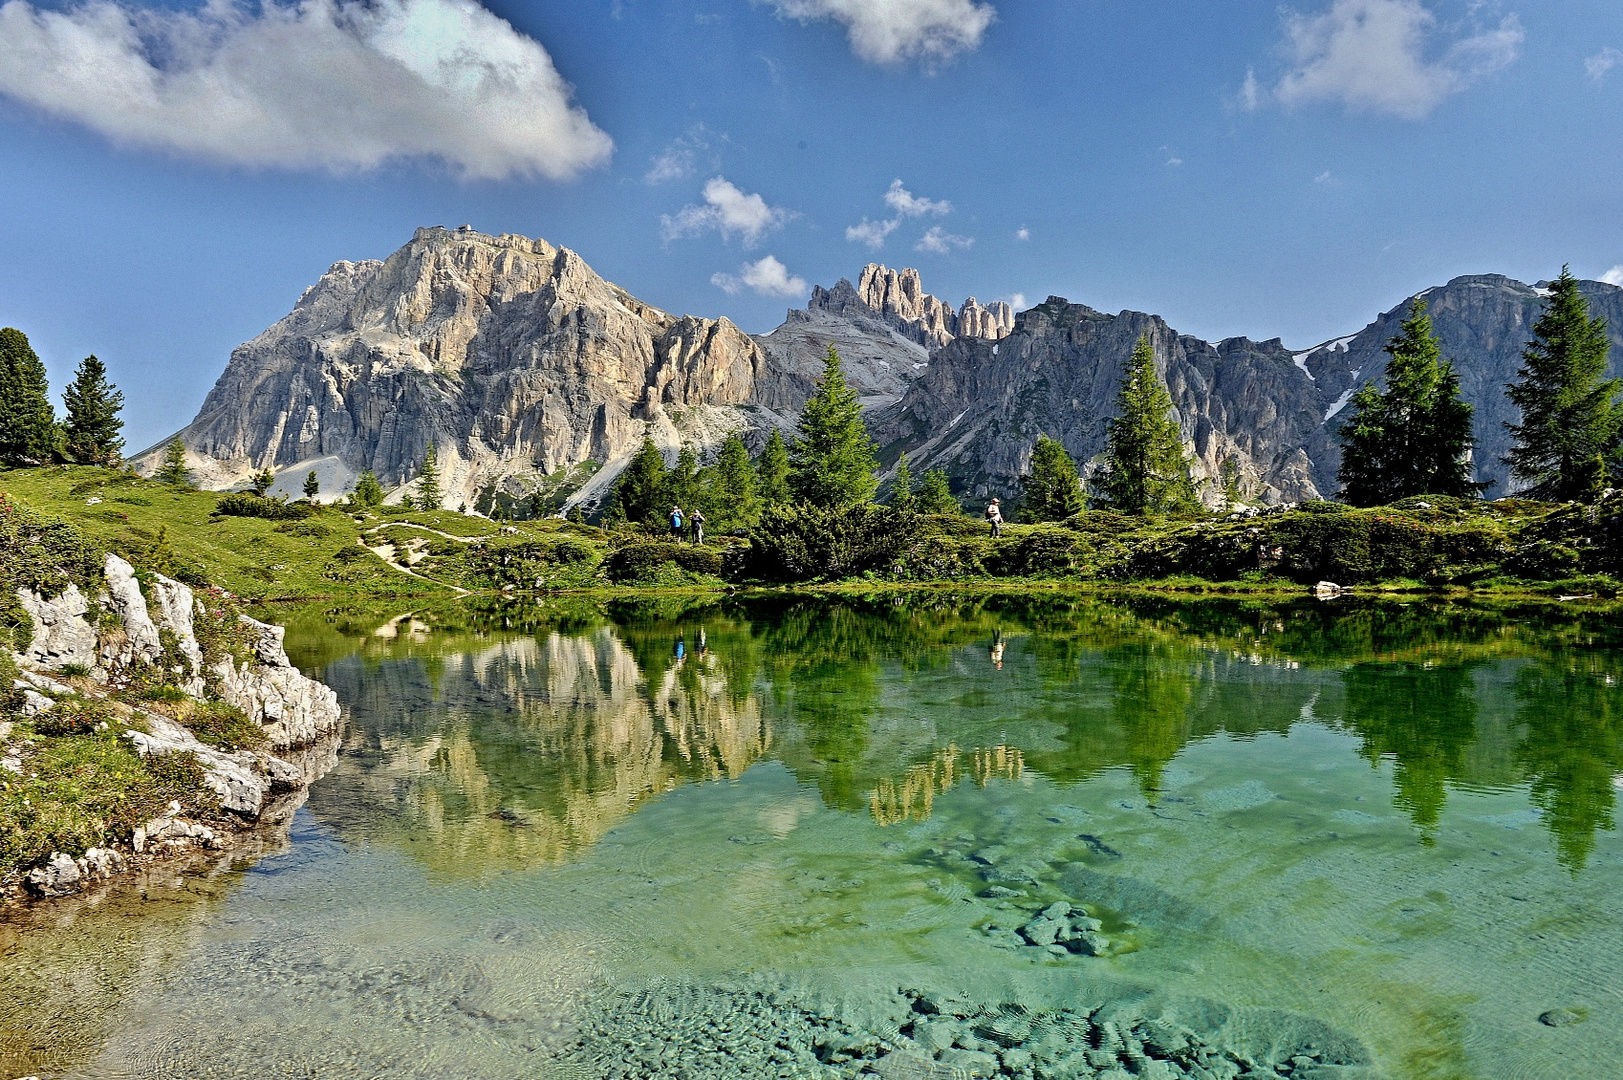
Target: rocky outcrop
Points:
(128, 628)
(994, 321)
(512, 356)
(978, 409)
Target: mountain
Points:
(530, 372)
(512, 356)
(978, 409)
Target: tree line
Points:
(91, 432)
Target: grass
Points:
(83, 787)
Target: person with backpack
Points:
(995, 516)
(676, 523)
(696, 521)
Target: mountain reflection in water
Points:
(488, 737)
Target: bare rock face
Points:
(295, 711)
(511, 355)
(62, 635)
(994, 321)
(978, 409)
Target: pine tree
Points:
(368, 492)
(1145, 470)
(935, 494)
(772, 470)
(833, 460)
(683, 482)
(429, 496)
(174, 470)
(1052, 491)
(27, 420)
(903, 500)
(91, 434)
(1415, 437)
(1570, 421)
(641, 491)
(261, 481)
(738, 505)
(312, 486)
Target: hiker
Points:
(676, 522)
(995, 516)
(696, 520)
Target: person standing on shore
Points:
(995, 516)
(676, 523)
(696, 520)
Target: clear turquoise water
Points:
(588, 842)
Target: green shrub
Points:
(224, 726)
(1047, 550)
(808, 543)
(247, 504)
(649, 562)
(312, 530)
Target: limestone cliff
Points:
(978, 409)
(511, 355)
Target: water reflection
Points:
(488, 738)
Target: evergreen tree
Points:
(1052, 491)
(772, 470)
(738, 505)
(832, 462)
(1570, 421)
(368, 492)
(1415, 437)
(903, 500)
(684, 485)
(641, 491)
(92, 432)
(312, 485)
(1145, 470)
(429, 496)
(261, 481)
(27, 421)
(935, 494)
(174, 470)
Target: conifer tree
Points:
(738, 505)
(641, 491)
(1052, 491)
(173, 470)
(1571, 421)
(772, 470)
(832, 462)
(1145, 469)
(1414, 438)
(429, 496)
(903, 500)
(27, 420)
(91, 434)
(312, 486)
(368, 491)
(261, 481)
(684, 485)
(935, 494)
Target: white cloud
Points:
(1323, 178)
(871, 233)
(1017, 301)
(941, 242)
(678, 160)
(890, 31)
(727, 210)
(330, 84)
(766, 276)
(1022, 233)
(1597, 66)
(1614, 276)
(907, 204)
(1370, 55)
(1250, 92)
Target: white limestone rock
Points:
(58, 877)
(124, 598)
(62, 634)
(294, 710)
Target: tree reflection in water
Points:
(504, 733)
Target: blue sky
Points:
(174, 176)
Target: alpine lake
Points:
(905, 835)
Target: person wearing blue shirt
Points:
(676, 522)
